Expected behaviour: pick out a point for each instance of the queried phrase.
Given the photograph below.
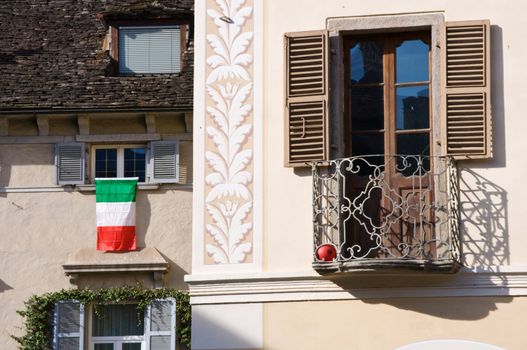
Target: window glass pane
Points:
(160, 342)
(413, 107)
(411, 61)
(134, 163)
(161, 315)
(103, 346)
(106, 162)
(69, 317)
(367, 108)
(366, 63)
(132, 346)
(68, 343)
(117, 320)
(415, 145)
(367, 144)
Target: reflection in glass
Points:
(103, 346)
(366, 63)
(132, 346)
(117, 320)
(411, 61)
(134, 163)
(367, 108)
(412, 107)
(367, 144)
(106, 162)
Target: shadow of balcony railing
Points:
(381, 211)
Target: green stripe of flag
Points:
(115, 190)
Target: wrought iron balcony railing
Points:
(382, 211)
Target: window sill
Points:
(89, 260)
(91, 187)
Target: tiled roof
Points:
(52, 57)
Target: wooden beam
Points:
(189, 121)
(4, 126)
(43, 125)
(35, 139)
(118, 138)
(84, 124)
(150, 122)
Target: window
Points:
(388, 97)
(155, 162)
(152, 49)
(115, 326)
(380, 106)
(119, 161)
(458, 80)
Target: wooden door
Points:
(388, 118)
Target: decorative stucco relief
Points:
(229, 133)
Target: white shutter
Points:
(160, 329)
(68, 326)
(149, 50)
(70, 163)
(164, 161)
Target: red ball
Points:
(326, 252)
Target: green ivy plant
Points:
(38, 314)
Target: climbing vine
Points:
(38, 313)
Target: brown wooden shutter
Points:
(466, 83)
(306, 100)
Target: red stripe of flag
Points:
(116, 238)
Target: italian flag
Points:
(115, 209)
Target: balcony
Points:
(384, 212)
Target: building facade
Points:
(357, 175)
(94, 89)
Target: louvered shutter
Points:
(466, 99)
(68, 326)
(164, 161)
(306, 112)
(149, 50)
(70, 162)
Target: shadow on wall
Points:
(467, 309)
(483, 221)
(175, 275)
(4, 286)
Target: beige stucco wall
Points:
(40, 229)
(493, 192)
(388, 324)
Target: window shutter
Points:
(149, 50)
(70, 162)
(161, 325)
(466, 98)
(306, 112)
(68, 326)
(164, 158)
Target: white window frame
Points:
(144, 339)
(56, 318)
(120, 158)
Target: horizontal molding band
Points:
(90, 188)
(469, 282)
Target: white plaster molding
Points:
(299, 286)
(229, 156)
